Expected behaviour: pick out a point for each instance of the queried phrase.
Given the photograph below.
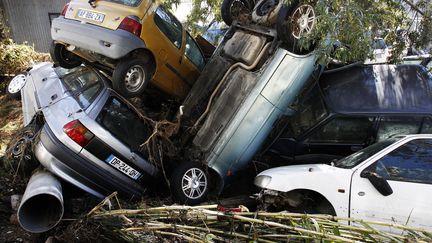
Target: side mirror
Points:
(378, 182)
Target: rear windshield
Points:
(130, 3)
(83, 84)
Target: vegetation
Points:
(354, 23)
(14, 57)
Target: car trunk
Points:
(110, 13)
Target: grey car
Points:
(89, 136)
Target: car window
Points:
(310, 110)
(83, 83)
(193, 53)
(427, 125)
(411, 162)
(124, 123)
(169, 25)
(391, 126)
(344, 130)
(358, 157)
(130, 3)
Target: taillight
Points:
(132, 25)
(65, 8)
(78, 132)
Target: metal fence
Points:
(30, 20)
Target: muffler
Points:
(41, 206)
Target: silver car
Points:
(89, 136)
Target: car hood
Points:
(293, 177)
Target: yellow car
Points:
(138, 40)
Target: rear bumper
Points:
(114, 44)
(67, 165)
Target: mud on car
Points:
(139, 41)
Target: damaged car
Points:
(350, 109)
(139, 41)
(84, 133)
(389, 181)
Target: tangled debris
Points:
(213, 223)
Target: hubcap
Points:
(194, 183)
(17, 83)
(303, 20)
(134, 78)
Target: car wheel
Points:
(14, 87)
(131, 77)
(236, 10)
(190, 183)
(295, 22)
(266, 11)
(20, 151)
(62, 57)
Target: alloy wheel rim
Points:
(134, 78)
(17, 83)
(303, 20)
(194, 183)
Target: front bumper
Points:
(114, 44)
(71, 167)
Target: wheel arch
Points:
(144, 52)
(324, 202)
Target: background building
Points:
(30, 20)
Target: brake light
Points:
(78, 132)
(131, 25)
(65, 8)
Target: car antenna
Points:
(92, 3)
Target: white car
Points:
(389, 181)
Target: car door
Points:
(192, 62)
(167, 44)
(119, 132)
(408, 171)
(341, 135)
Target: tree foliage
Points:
(353, 23)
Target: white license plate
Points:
(84, 14)
(123, 167)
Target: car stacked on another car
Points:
(139, 40)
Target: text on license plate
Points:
(123, 167)
(91, 15)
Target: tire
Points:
(266, 11)
(193, 191)
(295, 22)
(131, 76)
(13, 89)
(62, 57)
(20, 151)
(234, 9)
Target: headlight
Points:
(262, 181)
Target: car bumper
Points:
(114, 44)
(67, 165)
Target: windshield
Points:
(356, 158)
(83, 83)
(130, 3)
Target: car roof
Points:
(378, 89)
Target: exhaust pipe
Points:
(41, 206)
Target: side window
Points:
(427, 125)
(344, 130)
(169, 25)
(391, 126)
(193, 52)
(411, 162)
(123, 123)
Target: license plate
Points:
(123, 167)
(84, 14)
